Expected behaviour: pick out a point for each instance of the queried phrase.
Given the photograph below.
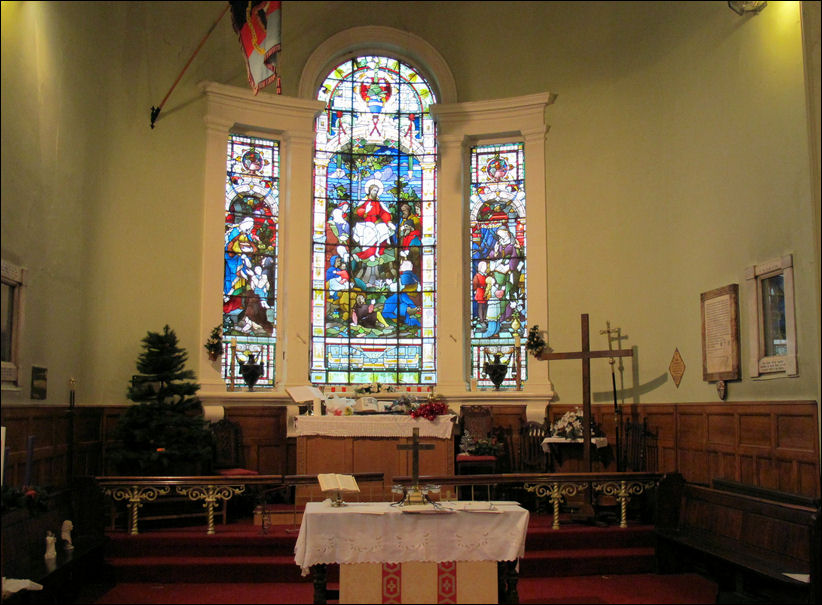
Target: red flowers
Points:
(430, 410)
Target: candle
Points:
(29, 456)
(71, 393)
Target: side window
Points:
(498, 274)
(772, 322)
(12, 302)
(250, 268)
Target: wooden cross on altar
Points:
(415, 446)
(586, 355)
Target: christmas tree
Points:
(164, 433)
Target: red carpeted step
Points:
(218, 545)
(199, 569)
(574, 536)
(588, 561)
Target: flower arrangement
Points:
(487, 446)
(214, 344)
(430, 409)
(570, 425)
(374, 387)
(30, 497)
(536, 343)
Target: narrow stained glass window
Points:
(498, 275)
(250, 279)
(373, 273)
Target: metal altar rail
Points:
(211, 489)
(557, 487)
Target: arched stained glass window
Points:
(498, 275)
(250, 279)
(373, 269)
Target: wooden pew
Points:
(755, 548)
(24, 544)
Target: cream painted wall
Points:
(678, 154)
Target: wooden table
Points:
(368, 444)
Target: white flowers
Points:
(569, 425)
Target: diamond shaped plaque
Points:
(677, 367)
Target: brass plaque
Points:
(677, 367)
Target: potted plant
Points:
(165, 432)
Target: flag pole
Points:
(155, 111)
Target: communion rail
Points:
(213, 490)
(556, 487)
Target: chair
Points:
(228, 450)
(639, 448)
(228, 453)
(533, 458)
(476, 420)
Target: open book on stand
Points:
(335, 485)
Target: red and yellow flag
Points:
(258, 26)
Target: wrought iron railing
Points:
(557, 488)
(212, 490)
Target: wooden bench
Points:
(24, 545)
(757, 549)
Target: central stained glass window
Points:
(374, 229)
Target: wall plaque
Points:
(720, 334)
(677, 367)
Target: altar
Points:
(414, 554)
(566, 455)
(368, 444)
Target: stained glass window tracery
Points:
(250, 252)
(498, 273)
(374, 230)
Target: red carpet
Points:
(241, 565)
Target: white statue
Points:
(65, 534)
(51, 550)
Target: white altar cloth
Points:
(376, 532)
(374, 425)
(598, 442)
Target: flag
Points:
(258, 26)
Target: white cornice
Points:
(241, 106)
(525, 114)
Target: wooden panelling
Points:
(765, 444)
(755, 430)
(721, 430)
(263, 429)
(762, 443)
(795, 432)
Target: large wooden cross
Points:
(415, 446)
(586, 355)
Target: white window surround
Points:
(760, 365)
(291, 121)
(14, 278)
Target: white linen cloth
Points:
(376, 532)
(374, 425)
(598, 442)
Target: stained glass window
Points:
(250, 279)
(374, 239)
(498, 274)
